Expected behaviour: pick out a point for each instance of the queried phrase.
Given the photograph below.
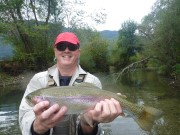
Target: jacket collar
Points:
(53, 71)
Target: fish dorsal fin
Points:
(86, 84)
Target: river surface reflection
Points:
(9, 104)
(140, 87)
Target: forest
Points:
(32, 26)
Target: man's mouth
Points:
(66, 56)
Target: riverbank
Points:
(9, 80)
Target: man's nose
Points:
(67, 49)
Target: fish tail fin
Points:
(146, 120)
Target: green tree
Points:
(31, 26)
(94, 55)
(28, 30)
(127, 44)
(163, 24)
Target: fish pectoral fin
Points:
(86, 120)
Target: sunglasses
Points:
(71, 47)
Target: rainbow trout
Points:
(84, 96)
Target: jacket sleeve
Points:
(26, 114)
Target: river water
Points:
(140, 87)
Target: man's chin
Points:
(67, 63)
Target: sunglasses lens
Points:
(62, 47)
(72, 47)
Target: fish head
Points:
(29, 99)
(33, 98)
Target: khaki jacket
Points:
(40, 80)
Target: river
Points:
(140, 87)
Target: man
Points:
(43, 119)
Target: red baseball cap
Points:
(68, 37)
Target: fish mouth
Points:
(28, 101)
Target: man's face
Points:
(67, 58)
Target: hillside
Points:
(108, 34)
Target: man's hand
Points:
(47, 117)
(104, 111)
